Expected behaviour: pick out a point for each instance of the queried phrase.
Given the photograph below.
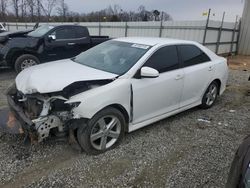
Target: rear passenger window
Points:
(65, 33)
(192, 55)
(165, 59)
(81, 32)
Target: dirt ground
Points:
(180, 151)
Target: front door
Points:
(63, 46)
(156, 96)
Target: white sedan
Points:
(116, 87)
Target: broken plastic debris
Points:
(219, 123)
(204, 120)
(232, 111)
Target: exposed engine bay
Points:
(42, 115)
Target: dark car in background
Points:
(21, 50)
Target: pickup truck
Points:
(46, 43)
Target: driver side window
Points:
(163, 60)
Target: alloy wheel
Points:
(211, 94)
(27, 63)
(105, 132)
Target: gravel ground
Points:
(176, 152)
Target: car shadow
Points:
(7, 73)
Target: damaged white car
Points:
(116, 87)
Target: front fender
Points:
(92, 101)
(19, 46)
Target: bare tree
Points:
(3, 9)
(166, 16)
(117, 9)
(16, 4)
(39, 9)
(44, 10)
(109, 10)
(63, 10)
(31, 4)
(23, 8)
(48, 6)
(142, 16)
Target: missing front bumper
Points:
(16, 120)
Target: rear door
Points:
(156, 96)
(82, 40)
(198, 72)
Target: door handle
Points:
(178, 77)
(71, 44)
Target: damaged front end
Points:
(36, 115)
(41, 115)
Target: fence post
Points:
(161, 25)
(205, 32)
(233, 36)
(238, 38)
(100, 28)
(126, 29)
(219, 34)
(16, 26)
(8, 25)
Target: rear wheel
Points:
(210, 95)
(103, 132)
(25, 61)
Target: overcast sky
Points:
(178, 9)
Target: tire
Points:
(25, 61)
(100, 135)
(210, 95)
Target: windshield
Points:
(112, 56)
(40, 31)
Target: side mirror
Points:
(147, 72)
(51, 38)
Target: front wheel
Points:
(25, 61)
(103, 132)
(210, 95)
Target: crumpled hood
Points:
(54, 76)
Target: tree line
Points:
(58, 11)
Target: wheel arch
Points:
(76, 123)
(218, 81)
(123, 110)
(16, 54)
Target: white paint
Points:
(153, 98)
(149, 72)
(54, 76)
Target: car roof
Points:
(158, 42)
(152, 41)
